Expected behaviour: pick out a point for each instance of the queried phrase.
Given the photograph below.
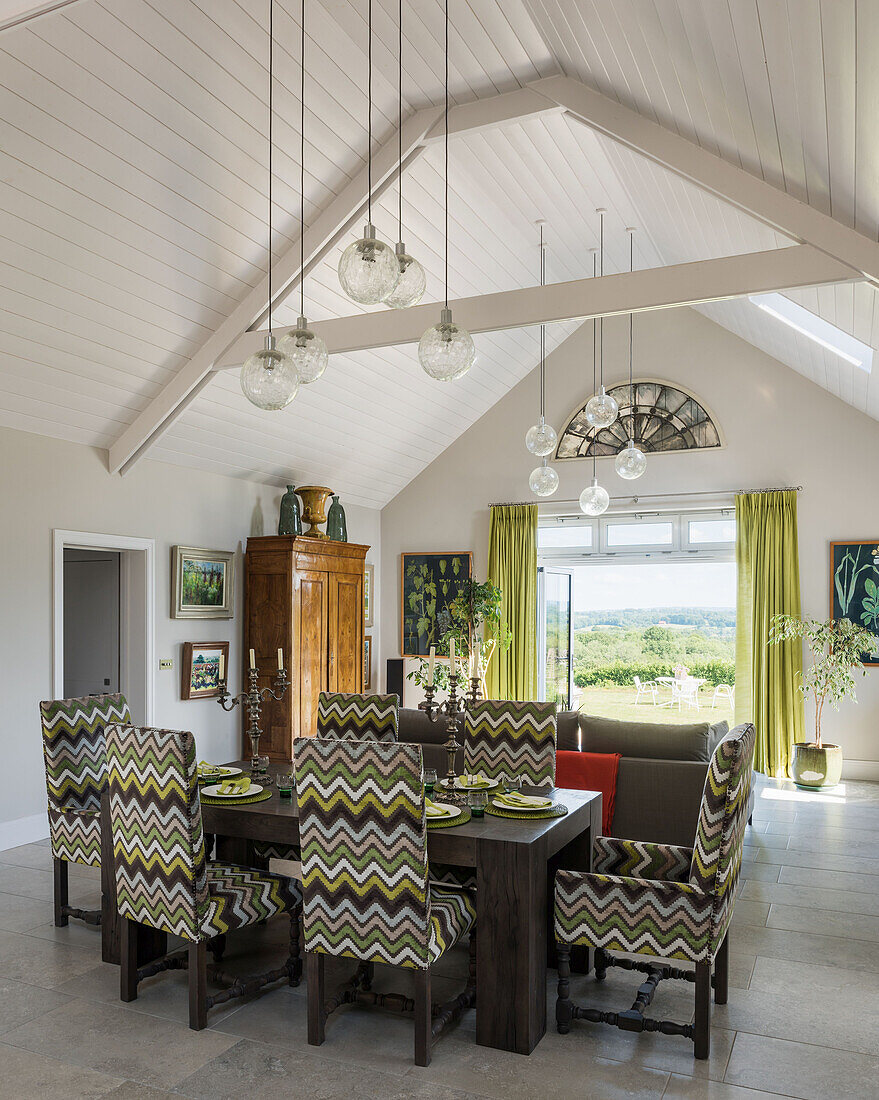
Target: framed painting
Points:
(428, 584)
(368, 590)
(854, 587)
(200, 668)
(202, 583)
(367, 662)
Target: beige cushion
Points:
(652, 741)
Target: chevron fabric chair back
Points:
(74, 748)
(508, 740)
(364, 850)
(158, 844)
(717, 851)
(352, 717)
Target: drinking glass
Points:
(430, 779)
(284, 781)
(477, 801)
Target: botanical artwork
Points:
(200, 669)
(203, 583)
(855, 587)
(429, 584)
(368, 589)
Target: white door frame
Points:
(89, 540)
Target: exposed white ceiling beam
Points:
(419, 132)
(15, 12)
(650, 288)
(754, 196)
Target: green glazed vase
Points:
(816, 766)
(289, 518)
(337, 525)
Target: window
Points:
(704, 532)
(567, 540)
(554, 537)
(639, 533)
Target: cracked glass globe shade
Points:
(268, 379)
(631, 462)
(543, 481)
(601, 410)
(541, 438)
(307, 352)
(594, 500)
(368, 269)
(446, 351)
(411, 284)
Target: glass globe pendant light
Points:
(543, 481)
(631, 462)
(306, 351)
(412, 282)
(541, 438)
(368, 269)
(601, 409)
(268, 378)
(594, 500)
(446, 351)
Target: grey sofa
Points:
(661, 774)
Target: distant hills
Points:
(707, 619)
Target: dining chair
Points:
(645, 687)
(75, 756)
(511, 741)
(662, 900)
(365, 884)
(346, 716)
(164, 880)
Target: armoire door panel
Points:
(314, 599)
(346, 638)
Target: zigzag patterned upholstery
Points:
(349, 717)
(353, 717)
(510, 740)
(663, 900)
(74, 751)
(364, 856)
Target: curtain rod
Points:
(635, 497)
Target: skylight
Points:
(816, 328)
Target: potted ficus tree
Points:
(836, 648)
(476, 607)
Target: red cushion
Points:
(591, 771)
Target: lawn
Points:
(619, 702)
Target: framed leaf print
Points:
(428, 584)
(854, 587)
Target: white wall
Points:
(779, 429)
(46, 484)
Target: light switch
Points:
(166, 662)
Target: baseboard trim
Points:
(861, 769)
(24, 830)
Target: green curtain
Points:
(767, 677)
(512, 566)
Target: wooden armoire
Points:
(304, 596)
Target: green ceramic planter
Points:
(813, 766)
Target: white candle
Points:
(221, 669)
(474, 662)
(280, 659)
(451, 656)
(430, 662)
(252, 660)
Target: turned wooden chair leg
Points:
(127, 959)
(563, 1001)
(198, 986)
(702, 1024)
(423, 1036)
(217, 947)
(316, 997)
(721, 972)
(295, 951)
(61, 918)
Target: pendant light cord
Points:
(369, 113)
(631, 333)
(594, 360)
(271, 145)
(302, 164)
(446, 191)
(542, 331)
(601, 272)
(399, 122)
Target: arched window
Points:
(663, 418)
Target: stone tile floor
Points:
(802, 1019)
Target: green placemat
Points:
(260, 796)
(554, 811)
(448, 823)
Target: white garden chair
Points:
(724, 691)
(645, 687)
(685, 690)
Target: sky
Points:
(614, 586)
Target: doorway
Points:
(104, 618)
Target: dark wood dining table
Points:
(515, 862)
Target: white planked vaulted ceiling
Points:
(133, 199)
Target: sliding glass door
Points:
(554, 669)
